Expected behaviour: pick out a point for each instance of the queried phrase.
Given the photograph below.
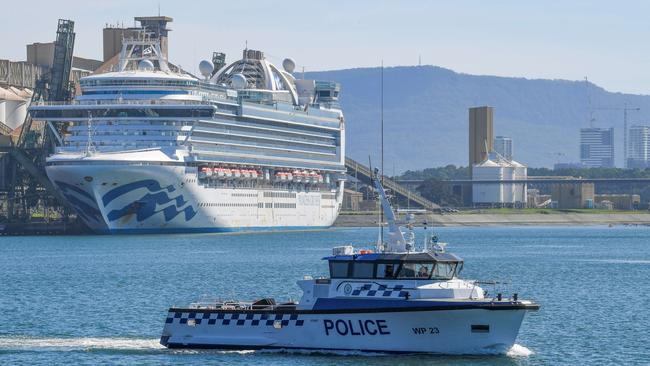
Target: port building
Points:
(597, 147)
(572, 195)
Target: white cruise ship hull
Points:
(147, 198)
(466, 331)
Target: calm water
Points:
(90, 300)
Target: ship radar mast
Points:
(143, 53)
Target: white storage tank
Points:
(521, 189)
(496, 167)
(487, 193)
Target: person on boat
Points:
(389, 271)
(423, 272)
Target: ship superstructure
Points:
(151, 148)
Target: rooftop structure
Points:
(155, 26)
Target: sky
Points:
(606, 41)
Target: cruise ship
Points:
(149, 148)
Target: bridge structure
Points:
(364, 174)
(530, 180)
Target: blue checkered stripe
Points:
(249, 319)
(376, 290)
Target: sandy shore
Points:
(573, 219)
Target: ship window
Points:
(362, 269)
(444, 270)
(386, 270)
(338, 269)
(407, 270)
(416, 270)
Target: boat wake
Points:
(519, 351)
(76, 344)
(8, 344)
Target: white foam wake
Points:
(71, 344)
(519, 351)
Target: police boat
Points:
(394, 299)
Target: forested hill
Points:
(425, 114)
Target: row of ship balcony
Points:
(295, 176)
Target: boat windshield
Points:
(395, 270)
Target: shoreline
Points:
(560, 219)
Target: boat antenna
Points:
(381, 221)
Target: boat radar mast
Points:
(396, 242)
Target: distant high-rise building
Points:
(481, 120)
(503, 146)
(638, 147)
(597, 147)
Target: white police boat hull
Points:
(459, 330)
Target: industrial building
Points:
(597, 147)
(572, 195)
(638, 154)
(481, 130)
(491, 159)
(506, 194)
(351, 200)
(503, 146)
(619, 201)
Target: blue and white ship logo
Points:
(149, 204)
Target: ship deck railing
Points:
(123, 101)
(240, 305)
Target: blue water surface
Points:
(103, 299)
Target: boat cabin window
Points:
(362, 269)
(386, 270)
(399, 270)
(429, 270)
(338, 269)
(444, 270)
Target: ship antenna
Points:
(381, 221)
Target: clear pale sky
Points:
(608, 41)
